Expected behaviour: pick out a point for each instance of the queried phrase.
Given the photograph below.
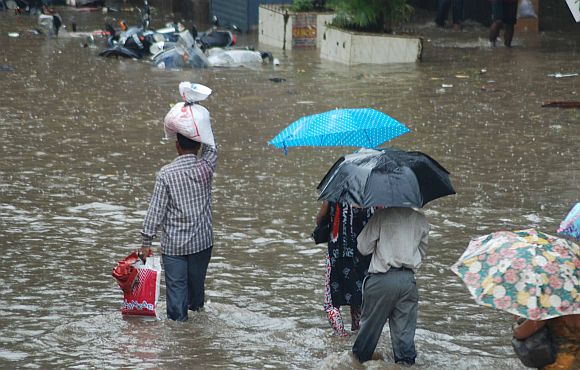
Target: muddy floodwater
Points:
(82, 138)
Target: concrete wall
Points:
(359, 48)
(271, 28)
(301, 29)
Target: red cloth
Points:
(125, 273)
(336, 224)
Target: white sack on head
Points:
(191, 121)
(193, 93)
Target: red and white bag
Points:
(141, 293)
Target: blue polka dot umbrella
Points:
(360, 127)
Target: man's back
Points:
(181, 204)
(396, 237)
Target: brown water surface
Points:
(82, 138)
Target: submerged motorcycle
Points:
(215, 36)
(128, 42)
(182, 56)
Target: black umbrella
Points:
(387, 177)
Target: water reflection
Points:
(82, 139)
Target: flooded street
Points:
(82, 139)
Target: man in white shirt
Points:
(397, 239)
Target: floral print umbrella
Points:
(527, 273)
(570, 226)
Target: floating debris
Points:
(562, 104)
(562, 75)
(13, 34)
(277, 79)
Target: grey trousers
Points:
(390, 296)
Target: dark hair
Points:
(187, 144)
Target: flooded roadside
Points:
(82, 140)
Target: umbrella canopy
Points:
(387, 177)
(574, 8)
(362, 127)
(570, 226)
(526, 273)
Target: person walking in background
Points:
(456, 13)
(504, 14)
(345, 267)
(397, 239)
(181, 204)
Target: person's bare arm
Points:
(526, 328)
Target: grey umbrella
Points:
(388, 177)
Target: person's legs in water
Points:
(403, 320)
(442, 12)
(333, 313)
(379, 300)
(176, 286)
(355, 314)
(197, 264)
(494, 30)
(457, 14)
(496, 20)
(335, 319)
(508, 35)
(510, 17)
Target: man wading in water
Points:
(181, 204)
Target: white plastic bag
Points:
(191, 121)
(193, 93)
(526, 10)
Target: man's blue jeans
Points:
(185, 283)
(390, 296)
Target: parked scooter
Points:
(128, 42)
(179, 56)
(31, 7)
(215, 36)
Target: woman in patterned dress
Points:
(346, 268)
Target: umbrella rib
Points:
(321, 137)
(368, 138)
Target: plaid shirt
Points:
(181, 205)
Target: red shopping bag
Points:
(140, 283)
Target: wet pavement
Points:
(82, 140)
